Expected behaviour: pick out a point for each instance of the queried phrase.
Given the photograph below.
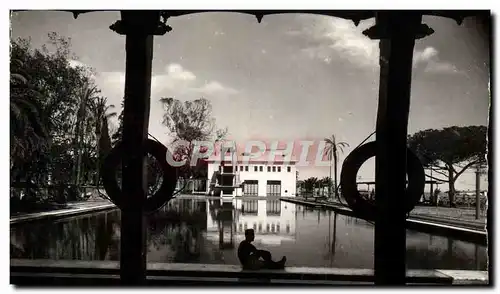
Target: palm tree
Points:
(102, 112)
(28, 130)
(310, 184)
(331, 150)
(87, 95)
(325, 181)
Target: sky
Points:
(292, 77)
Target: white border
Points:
(190, 4)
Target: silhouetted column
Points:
(396, 31)
(138, 26)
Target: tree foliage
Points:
(332, 149)
(451, 150)
(310, 184)
(325, 182)
(55, 111)
(28, 133)
(117, 136)
(190, 121)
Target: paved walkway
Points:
(462, 217)
(468, 214)
(72, 208)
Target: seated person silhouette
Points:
(252, 258)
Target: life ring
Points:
(365, 208)
(158, 199)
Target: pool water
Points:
(198, 230)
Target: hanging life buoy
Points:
(365, 208)
(169, 177)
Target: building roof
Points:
(266, 157)
(293, 151)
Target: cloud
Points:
(173, 78)
(293, 32)
(176, 72)
(336, 38)
(214, 87)
(173, 81)
(424, 55)
(178, 79)
(442, 67)
(431, 63)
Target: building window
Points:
(255, 168)
(251, 187)
(268, 169)
(250, 207)
(279, 169)
(260, 227)
(274, 169)
(240, 227)
(273, 207)
(277, 227)
(272, 228)
(267, 228)
(241, 167)
(289, 169)
(255, 226)
(261, 168)
(273, 188)
(246, 168)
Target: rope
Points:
(365, 139)
(342, 204)
(338, 186)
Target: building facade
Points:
(237, 175)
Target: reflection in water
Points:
(208, 231)
(88, 238)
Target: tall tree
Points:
(190, 121)
(332, 148)
(28, 130)
(102, 113)
(86, 96)
(52, 100)
(454, 149)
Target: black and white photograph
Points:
(230, 147)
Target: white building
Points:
(238, 175)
